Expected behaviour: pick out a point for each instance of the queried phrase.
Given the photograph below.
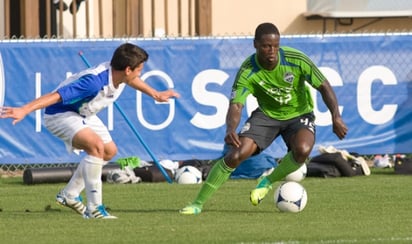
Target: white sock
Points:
(92, 174)
(76, 183)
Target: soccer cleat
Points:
(75, 204)
(261, 190)
(99, 213)
(191, 210)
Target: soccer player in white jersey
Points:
(70, 115)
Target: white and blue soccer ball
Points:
(290, 196)
(188, 175)
(297, 175)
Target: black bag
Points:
(403, 166)
(151, 174)
(315, 169)
(332, 165)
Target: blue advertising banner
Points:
(372, 77)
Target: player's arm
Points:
(319, 82)
(240, 92)
(18, 113)
(160, 96)
(233, 116)
(329, 98)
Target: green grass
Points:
(377, 208)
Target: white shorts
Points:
(66, 125)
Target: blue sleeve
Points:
(86, 87)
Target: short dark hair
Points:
(265, 28)
(130, 55)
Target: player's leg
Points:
(299, 136)
(65, 126)
(254, 136)
(70, 195)
(76, 183)
(97, 143)
(220, 173)
(286, 166)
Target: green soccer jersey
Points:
(282, 93)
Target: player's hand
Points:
(232, 138)
(15, 113)
(339, 128)
(164, 96)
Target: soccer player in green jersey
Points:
(277, 76)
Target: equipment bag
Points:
(403, 166)
(151, 174)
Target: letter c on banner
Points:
(171, 102)
(366, 110)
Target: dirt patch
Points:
(9, 174)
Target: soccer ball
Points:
(117, 176)
(297, 175)
(291, 196)
(188, 175)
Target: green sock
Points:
(218, 175)
(287, 165)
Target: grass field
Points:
(373, 209)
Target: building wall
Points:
(240, 17)
(228, 17)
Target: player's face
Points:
(267, 50)
(133, 74)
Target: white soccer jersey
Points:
(87, 92)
